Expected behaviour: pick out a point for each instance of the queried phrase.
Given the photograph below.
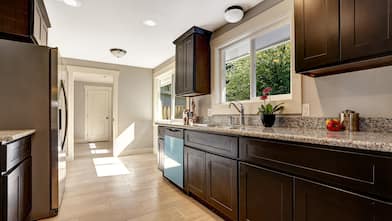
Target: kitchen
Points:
(243, 110)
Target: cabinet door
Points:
(18, 202)
(161, 154)
(180, 68)
(222, 184)
(195, 172)
(189, 67)
(265, 195)
(315, 202)
(316, 33)
(366, 28)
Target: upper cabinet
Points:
(193, 63)
(365, 28)
(24, 20)
(335, 36)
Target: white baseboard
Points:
(133, 151)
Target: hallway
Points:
(101, 187)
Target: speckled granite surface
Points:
(7, 136)
(357, 140)
(369, 124)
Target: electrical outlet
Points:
(209, 112)
(305, 110)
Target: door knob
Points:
(107, 118)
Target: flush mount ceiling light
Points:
(73, 3)
(234, 14)
(150, 23)
(118, 52)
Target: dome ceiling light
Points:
(118, 52)
(234, 14)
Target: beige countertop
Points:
(7, 136)
(357, 140)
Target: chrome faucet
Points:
(241, 111)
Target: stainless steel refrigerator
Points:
(32, 95)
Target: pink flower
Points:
(267, 90)
(264, 97)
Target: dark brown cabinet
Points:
(366, 28)
(16, 180)
(24, 20)
(316, 33)
(193, 63)
(335, 36)
(265, 195)
(222, 184)
(195, 170)
(212, 179)
(18, 185)
(314, 202)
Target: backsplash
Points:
(370, 124)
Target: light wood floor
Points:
(100, 187)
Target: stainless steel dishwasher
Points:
(174, 156)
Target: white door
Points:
(98, 113)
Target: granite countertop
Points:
(357, 140)
(7, 136)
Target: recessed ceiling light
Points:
(234, 14)
(73, 3)
(150, 23)
(118, 52)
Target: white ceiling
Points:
(88, 32)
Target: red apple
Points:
(334, 125)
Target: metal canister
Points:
(350, 120)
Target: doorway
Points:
(98, 112)
(93, 111)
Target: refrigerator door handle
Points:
(66, 114)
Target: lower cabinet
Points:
(161, 154)
(195, 167)
(17, 199)
(222, 184)
(212, 179)
(314, 202)
(265, 195)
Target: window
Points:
(256, 63)
(169, 106)
(237, 69)
(165, 98)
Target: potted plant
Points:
(267, 110)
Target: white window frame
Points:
(253, 92)
(168, 78)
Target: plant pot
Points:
(268, 120)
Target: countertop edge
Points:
(368, 145)
(14, 135)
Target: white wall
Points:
(368, 92)
(134, 105)
(79, 109)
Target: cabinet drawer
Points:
(214, 143)
(338, 163)
(356, 171)
(14, 153)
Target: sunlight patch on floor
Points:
(109, 166)
(92, 146)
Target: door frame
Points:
(72, 70)
(86, 89)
